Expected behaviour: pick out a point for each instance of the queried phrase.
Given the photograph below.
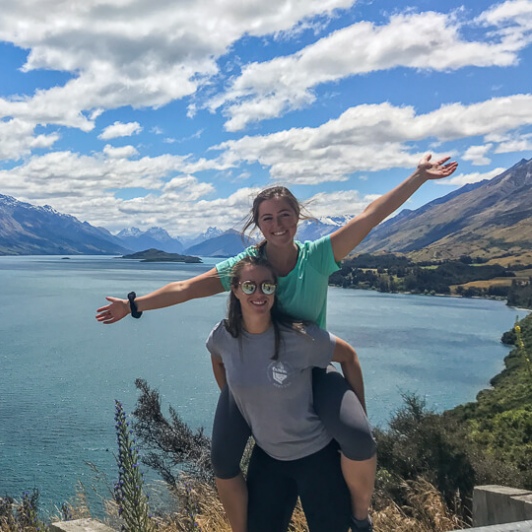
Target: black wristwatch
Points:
(133, 306)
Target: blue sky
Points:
(173, 114)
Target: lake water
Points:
(61, 370)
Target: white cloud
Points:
(475, 177)
(132, 53)
(338, 203)
(430, 41)
(512, 144)
(512, 11)
(18, 139)
(119, 129)
(371, 138)
(67, 176)
(477, 154)
(124, 152)
(364, 139)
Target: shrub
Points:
(171, 447)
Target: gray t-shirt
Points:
(275, 396)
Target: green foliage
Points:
(417, 445)
(523, 350)
(128, 491)
(385, 261)
(391, 273)
(171, 447)
(485, 442)
(520, 294)
(500, 421)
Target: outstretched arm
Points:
(206, 284)
(346, 356)
(345, 239)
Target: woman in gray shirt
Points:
(266, 360)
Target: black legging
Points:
(274, 485)
(336, 404)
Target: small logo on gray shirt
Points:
(280, 374)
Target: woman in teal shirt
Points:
(297, 265)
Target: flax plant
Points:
(128, 492)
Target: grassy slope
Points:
(500, 421)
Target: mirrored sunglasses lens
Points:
(248, 287)
(268, 288)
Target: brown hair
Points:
(234, 321)
(278, 191)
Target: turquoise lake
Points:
(61, 370)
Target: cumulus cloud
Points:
(475, 177)
(119, 129)
(130, 53)
(477, 155)
(363, 139)
(18, 139)
(430, 41)
(512, 144)
(518, 12)
(124, 152)
(349, 202)
(70, 176)
(371, 138)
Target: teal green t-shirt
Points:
(303, 292)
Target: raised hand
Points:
(436, 169)
(115, 311)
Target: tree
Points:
(171, 445)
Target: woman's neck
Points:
(256, 325)
(283, 259)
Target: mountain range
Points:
(489, 219)
(26, 229)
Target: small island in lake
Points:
(156, 255)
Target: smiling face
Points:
(255, 306)
(277, 221)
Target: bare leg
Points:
(360, 479)
(233, 493)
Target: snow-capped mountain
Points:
(154, 237)
(27, 229)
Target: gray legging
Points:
(335, 403)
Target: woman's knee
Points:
(358, 446)
(342, 414)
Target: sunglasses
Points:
(266, 287)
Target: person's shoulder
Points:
(220, 328)
(315, 244)
(249, 251)
(312, 329)
(303, 328)
(316, 333)
(217, 331)
(316, 249)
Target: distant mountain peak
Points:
(27, 229)
(154, 237)
(486, 219)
